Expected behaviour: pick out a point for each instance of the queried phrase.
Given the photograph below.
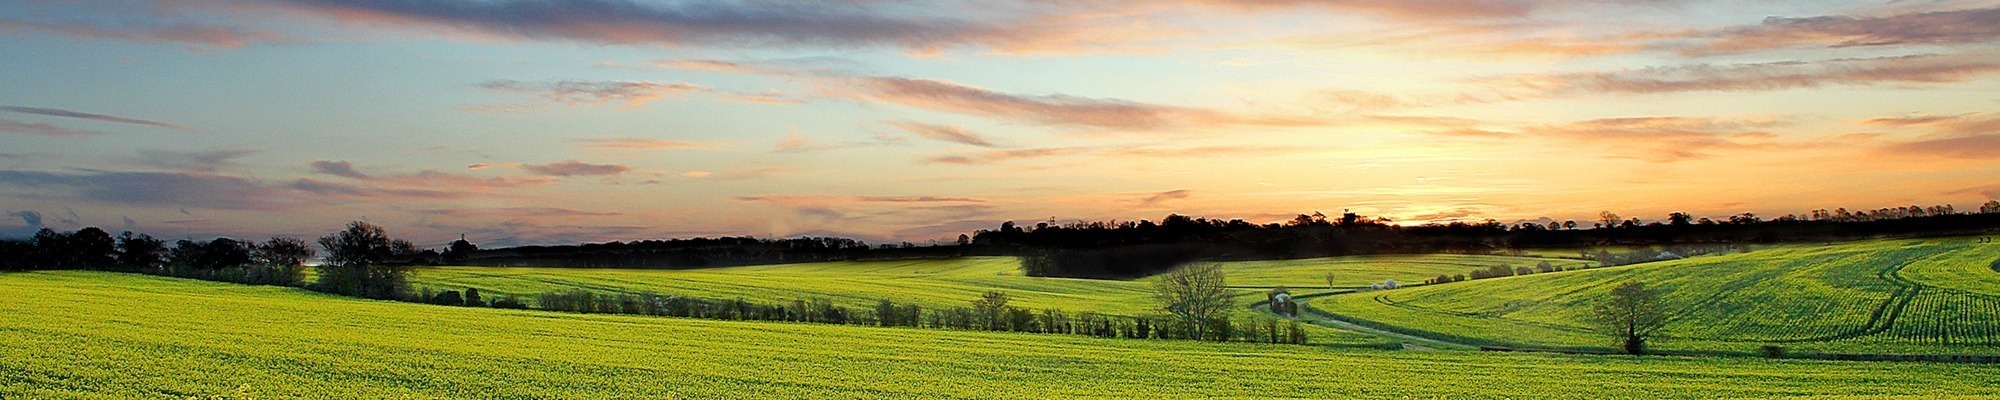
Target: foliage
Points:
(1196, 299)
(1630, 313)
(358, 263)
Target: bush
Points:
(1774, 351)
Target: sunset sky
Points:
(537, 122)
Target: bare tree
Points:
(1195, 296)
(1632, 313)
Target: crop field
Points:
(945, 282)
(119, 336)
(1926, 296)
(930, 283)
(1360, 271)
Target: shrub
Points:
(1774, 351)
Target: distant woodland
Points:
(1117, 249)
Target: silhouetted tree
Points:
(459, 250)
(1679, 219)
(218, 254)
(282, 260)
(140, 253)
(1632, 313)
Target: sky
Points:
(519, 122)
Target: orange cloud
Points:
(1934, 68)
(1963, 136)
(1054, 109)
(1927, 28)
(943, 133)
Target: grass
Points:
(118, 336)
(945, 282)
(1917, 296)
(1360, 271)
(956, 282)
(930, 283)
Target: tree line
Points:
(991, 312)
(361, 260)
(1113, 249)
(1125, 249)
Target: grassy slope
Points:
(931, 283)
(943, 282)
(1359, 271)
(102, 335)
(1897, 296)
(956, 282)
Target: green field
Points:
(1360, 271)
(956, 282)
(930, 283)
(1919, 296)
(944, 282)
(119, 336)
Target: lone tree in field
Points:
(1195, 297)
(1632, 313)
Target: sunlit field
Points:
(106, 335)
(1923, 296)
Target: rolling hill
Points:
(1923, 296)
(73, 334)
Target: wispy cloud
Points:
(40, 128)
(421, 184)
(196, 161)
(944, 133)
(1110, 152)
(576, 168)
(193, 34)
(55, 112)
(741, 173)
(1923, 28)
(515, 212)
(172, 189)
(1915, 69)
(1162, 197)
(634, 143)
(633, 94)
(1053, 109)
(1663, 138)
(337, 168)
(795, 142)
(1962, 136)
(761, 24)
